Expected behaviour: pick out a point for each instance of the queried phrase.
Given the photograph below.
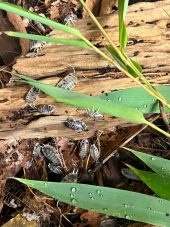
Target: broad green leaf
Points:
(86, 101)
(159, 184)
(71, 42)
(110, 201)
(138, 98)
(159, 165)
(33, 16)
(122, 8)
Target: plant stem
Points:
(148, 87)
(157, 129)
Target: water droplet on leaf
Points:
(74, 200)
(105, 209)
(73, 189)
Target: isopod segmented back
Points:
(49, 152)
(84, 149)
(45, 108)
(32, 95)
(68, 82)
(94, 152)
(77, 125)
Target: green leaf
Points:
(158, 183)
(122, 64)
(138, 98)
(123, 37)
(33, 16)
(71, 42)
(159, 165)
(117, 57)
(110, 201)
(136, 64)
(86, 101)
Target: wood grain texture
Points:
(149, 35)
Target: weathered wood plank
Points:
(149, 32)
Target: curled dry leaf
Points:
(18, 24)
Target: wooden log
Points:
(149, 32)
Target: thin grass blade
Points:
(33, 16)
(123, 37)
(110, 201)
(70, 42)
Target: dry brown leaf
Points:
(18, 24)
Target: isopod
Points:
(94, 152)
(69, 19)
(49, 152)
(32, 95)
(128, 173)
(43, 109)
(71, 177)
(77, 125)
(36, 46)
(55, 168)
(94, 114)
(84, 149)
(37, 150)
(68, 82)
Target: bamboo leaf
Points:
(71, 42)
(33, 16)
(160, 184)
(110, 201)
(159, 165)
(138, 98)
(85, 101)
